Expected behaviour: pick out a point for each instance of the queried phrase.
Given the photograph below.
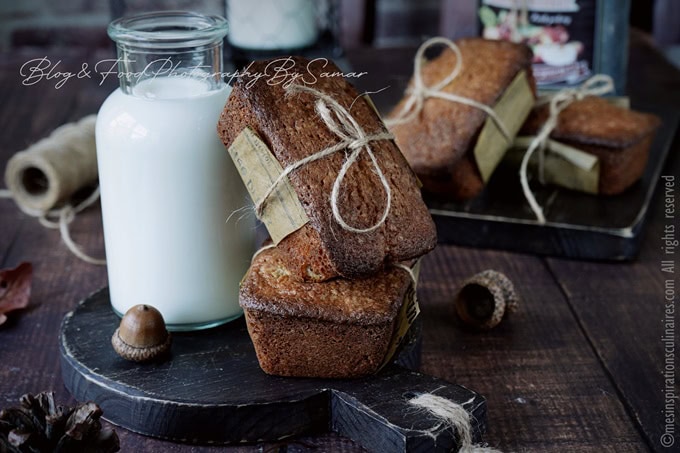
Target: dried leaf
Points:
(15, 289)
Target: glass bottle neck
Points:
(169, 45)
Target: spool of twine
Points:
(43, 178)
(49, 172)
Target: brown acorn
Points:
(142, 334)
(485, 298)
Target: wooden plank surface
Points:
(545, 388)
(559, 376)
(212, 390)
(620, 307)
(621, 316)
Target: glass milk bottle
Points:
(272, 24)
(262, 29)
(167, 183)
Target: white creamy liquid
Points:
(167, 188)
(272, 24)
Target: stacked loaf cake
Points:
(324, 301)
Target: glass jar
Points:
(263, 29)
(272, 24)
(167, 183)
(570, 40)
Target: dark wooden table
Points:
(578, 368)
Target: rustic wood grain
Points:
(211, 390)
(620, 308)
(545, 387)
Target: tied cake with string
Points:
(334, 294)
(461, 112)
(583, 142)
(326, 178)
(619, 137)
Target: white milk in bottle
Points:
(167, 182)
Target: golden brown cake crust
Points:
(335, 329)
(619, 137)
(291, 128)
(303, 347)
(595, 121)
(269, 286)
(435, 142)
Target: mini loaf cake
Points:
(292, 129)
(335, 329)
(439, 142)
(619, 137)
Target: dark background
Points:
(380, 23)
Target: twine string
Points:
(597, 85)
(454, 415)
(60, 219)
(339, 121)
(260, 250)
(420, 91)
(410, 272)
(67, 214)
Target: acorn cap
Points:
(485, 298)
(142, 334)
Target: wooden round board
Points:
(211, 390)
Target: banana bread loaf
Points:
(293, 130)
(439, 142)
(619, 137)
(335, 329)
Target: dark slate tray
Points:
(212, 390)
(578, 225)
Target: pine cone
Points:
(39, 425)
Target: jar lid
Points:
(168, 30)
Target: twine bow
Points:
(597, 85)
(420, 92)
(339, 121)
(410, 271)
